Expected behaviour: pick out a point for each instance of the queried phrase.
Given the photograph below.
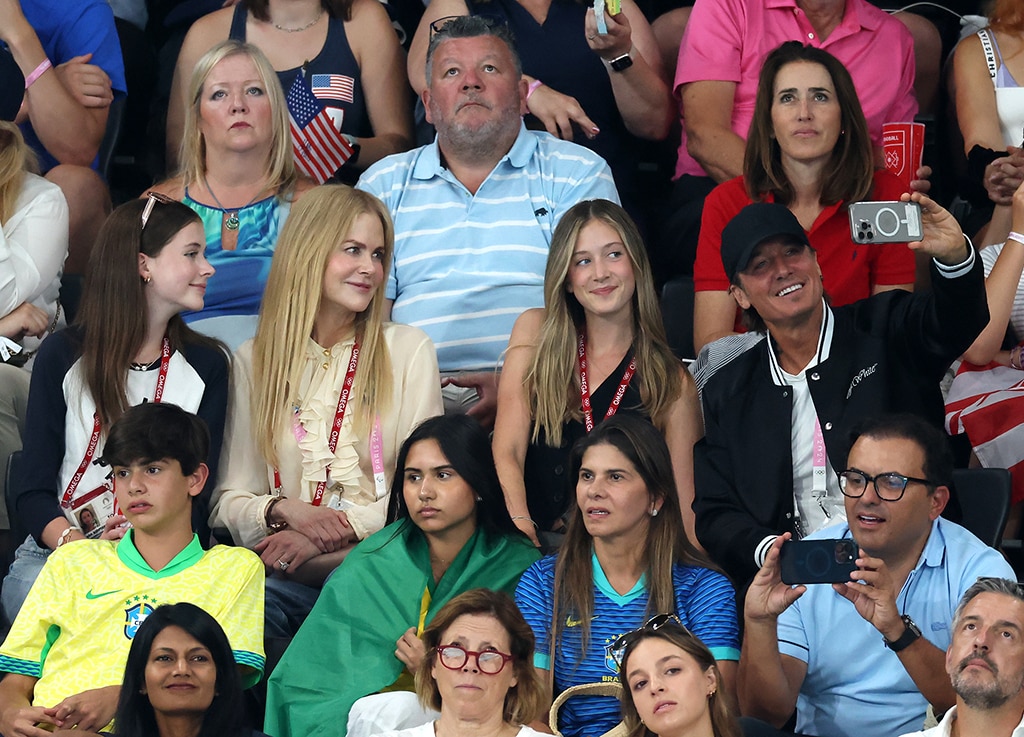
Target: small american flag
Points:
(319, 149)
(333, 87)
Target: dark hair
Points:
(667, 544)
(135, 716)
(468, 449)
(260, 9)
(472, 26)
(154, 431)
(524, 700)
(113, 315)
(938, 458)
(723, 721)
(849, 174)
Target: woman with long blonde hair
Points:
(237, 172)
(596, 348)
(324, 396)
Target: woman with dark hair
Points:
(596, 348)
(128, 345)
(671, 684)
(625, 557)
(450, 532)
(809, 149)
(181, 679)
(348, 52)
(478, 639)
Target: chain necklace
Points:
(303, 28)
(232, 222)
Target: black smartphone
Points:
(885, 222)
(817, 561)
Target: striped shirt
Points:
(466, 266)
(705, 603)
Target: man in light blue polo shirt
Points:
(475, 209)
(866, 657)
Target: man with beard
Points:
(985, 663)
(474, 210)
(864, 657)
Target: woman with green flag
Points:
(451, 532)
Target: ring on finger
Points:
(283, 564)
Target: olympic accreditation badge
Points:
(90, 512)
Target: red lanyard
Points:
(588, 413)
(332, 441)
(94, 439)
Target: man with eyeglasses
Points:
(865, 657)
(985, 663)
(475, 209)
(778, 417)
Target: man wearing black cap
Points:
(778, 417)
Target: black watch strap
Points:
(621, 63)
(909, 636)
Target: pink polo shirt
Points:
(727, 40)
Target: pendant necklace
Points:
(232, 222)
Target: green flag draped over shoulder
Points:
(346, 648)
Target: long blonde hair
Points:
(317, 224)
(15, 159)
(280, 169)
(551, 381)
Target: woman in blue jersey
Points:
(624, 558)
(236, 171)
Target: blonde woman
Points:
(324, 396)
(33, 246)
(237, 173)
(596, 348)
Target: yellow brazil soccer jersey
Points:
(75, 628)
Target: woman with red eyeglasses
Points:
(477, 670)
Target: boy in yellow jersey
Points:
(66, 651)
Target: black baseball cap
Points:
(754, 225)
(12, 86)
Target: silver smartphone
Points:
(885, 222)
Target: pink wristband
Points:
(38, 72)
(533, 88)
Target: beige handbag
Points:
(606, 688)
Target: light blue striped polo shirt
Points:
(466, 266)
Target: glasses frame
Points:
(151, 199)
(618, 647)
(874, 480)
(505, 658)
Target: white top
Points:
(33, 246)
(989, 254)
(427, 730)
(246, 480)
(945, 727)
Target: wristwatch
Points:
(909, 636)
(621, 63)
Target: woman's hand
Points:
(328, 529)
(558, 112)
(410, 650)
(284, 552)
(528, 527)
(1003, 176)
(617, 42)
(25, 319)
